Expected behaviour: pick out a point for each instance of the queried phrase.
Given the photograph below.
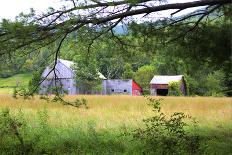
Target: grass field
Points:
(7, 84)
(112, 114)
(111, 111)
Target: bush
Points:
(174, 89)
(143, 77)
(166, 135)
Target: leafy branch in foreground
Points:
(167, 135)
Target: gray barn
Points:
(121, 86)
(65, 77)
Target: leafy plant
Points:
(174, 89)
(166, 135)
(10, 128)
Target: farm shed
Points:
(120, 86)
(159, 84)
(65, 78)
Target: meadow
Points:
(7, 84)
(99, 129)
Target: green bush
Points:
(174, 89)
(166, 135)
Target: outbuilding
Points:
(121, 86)
(65, 78)
(159, 84)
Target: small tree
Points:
(215, 83)
(128, 72)
(143, 76)
(87, 76)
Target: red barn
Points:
(121, 86)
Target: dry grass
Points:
(125, 111)
(6, 90)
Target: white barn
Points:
(65, 77)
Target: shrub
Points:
(166, 135)
(174, 89)
(9, 131)
(143, 77)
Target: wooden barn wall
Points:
(136, 89)
(61, 71)
(118, 87)
(159, 86)
(68, 85)
(183, 87)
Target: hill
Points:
(7, 84)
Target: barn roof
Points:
(66, 62)
(165, 79)
(64, 70)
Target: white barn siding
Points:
(117, 87)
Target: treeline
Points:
(203, 55)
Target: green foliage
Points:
(34, 82)
(28, 134)
(10, 129)
(86, 75)
(215, 83)
(211, 84)
(128, 72)
(143, 77)
(167, 135)
(174, 89)
(21, 91)
(16, 80)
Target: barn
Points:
(65, 78)
(159, 84)
(121, 86)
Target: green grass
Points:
(6, 90)
(12, 81)
(7, 84)
(52, 128)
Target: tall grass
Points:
(59, 129)
(115, 111)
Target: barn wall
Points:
(117, 87)
(136, 89)
(183, 87)
(154, 88)
(159, 86)
(62, 71)
(68, 85)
